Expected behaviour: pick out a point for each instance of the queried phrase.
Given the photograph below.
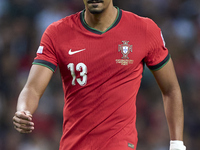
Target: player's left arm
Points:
(173, 105)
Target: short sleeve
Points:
(46, 53)
(157, 54)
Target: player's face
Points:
(96, 6)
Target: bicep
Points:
(38, 79)
(166, 78)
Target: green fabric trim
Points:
(162, 65)
(99, 30)
(43, 65)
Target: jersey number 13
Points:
(82, 68)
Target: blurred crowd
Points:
(22, 22)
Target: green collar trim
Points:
(119, 15)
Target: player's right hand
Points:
(22, 121)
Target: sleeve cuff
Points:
(161, 64)
(44, 63)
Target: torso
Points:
(101, 73)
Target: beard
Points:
(96, 11)
(93, 9)
(93, 6)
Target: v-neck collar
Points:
(119, 15)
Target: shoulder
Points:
(133, 18)
(64, 23)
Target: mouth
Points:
(94, 1)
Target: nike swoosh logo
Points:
(74, 52)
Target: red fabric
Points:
(100, 112)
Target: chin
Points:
(95, 11)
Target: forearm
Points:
(29, 97)
(28, 100)
(174, 113)
(37, 82)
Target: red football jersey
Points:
(101, 74)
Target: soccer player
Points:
(101, 53)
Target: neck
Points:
(103, 20)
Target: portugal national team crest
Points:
(125, 49)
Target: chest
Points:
(101, 55)
(112, 48)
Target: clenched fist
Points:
(22, 121)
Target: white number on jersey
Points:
(83, 73)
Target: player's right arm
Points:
(29, 97)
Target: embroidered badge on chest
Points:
(125, 49)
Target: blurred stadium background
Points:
(22, 23)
